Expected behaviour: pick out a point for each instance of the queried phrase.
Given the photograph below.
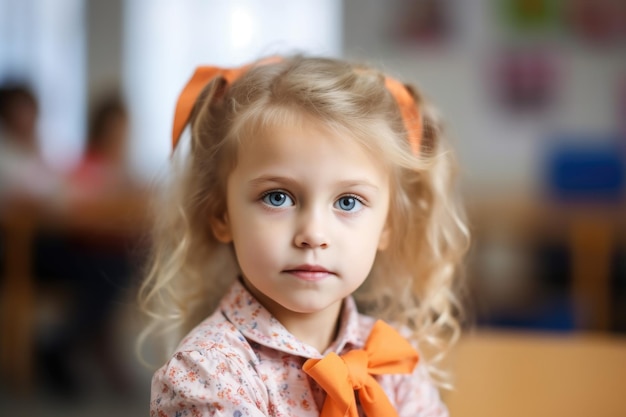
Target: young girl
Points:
(307, 179)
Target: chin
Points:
(307, 308)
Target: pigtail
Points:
(444, 243)
(187, 270)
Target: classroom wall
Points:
(498, 152)
(105, 32)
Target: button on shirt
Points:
(242, 362)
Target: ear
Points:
(220, 226)
(385, 237)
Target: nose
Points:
(312, 230)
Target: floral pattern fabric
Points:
(242, 362)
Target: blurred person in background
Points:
(102, 169)
(92, 263)
(27, 186)
(23, 173)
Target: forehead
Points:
(257, 129)
(307, 147)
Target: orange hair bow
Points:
(410, 114)
(200, 78)
(187, 99)
(203, 75)
(385, 352)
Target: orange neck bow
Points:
(385, 352)
(203, 75)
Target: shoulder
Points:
(415, 393)
(214, 362)
(214, 346)
(215, 333)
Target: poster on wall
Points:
(530, 17)
(424, 22)
(600, 22)
(526, 80)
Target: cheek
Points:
(257, 243)
(249, 256)
(366, 244)
(361, 244)
(365, 252)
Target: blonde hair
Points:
(412, 283)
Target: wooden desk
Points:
(526, 374)
(115, 215)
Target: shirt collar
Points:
(258, 325)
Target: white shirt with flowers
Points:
(242, 362)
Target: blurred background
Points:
(533, 93)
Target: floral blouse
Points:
(242, 362)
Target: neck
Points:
(315, 329)
(318, 329)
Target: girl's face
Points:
(307, 213)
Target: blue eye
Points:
(277, 199)
(348, 203)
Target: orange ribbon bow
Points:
(410, 113)
(200, 78)
(385, 352)
(187, 99)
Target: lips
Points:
(309, 272)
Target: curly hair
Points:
(412, 284)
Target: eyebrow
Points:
(291, 181)
(271, 178)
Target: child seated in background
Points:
(23, 173)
